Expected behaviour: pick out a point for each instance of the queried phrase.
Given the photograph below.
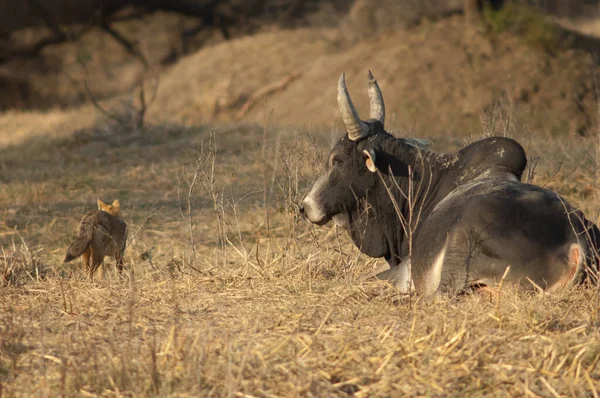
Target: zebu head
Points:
(350, 180)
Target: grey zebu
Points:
(469, 216)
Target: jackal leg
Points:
(97, 258)
(119, 261)
(85, 259)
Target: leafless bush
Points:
(19, 265)
(195, 175)
(293, 156)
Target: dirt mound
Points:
(214, 83)
(435, 79)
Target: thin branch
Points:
(130, 48)
(132, 14)
(58, 36)
(140, 228)
(34, 50)
(94, 101)
(266, 91)
(45, 16)
(142, 110)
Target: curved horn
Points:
(356, 128)
(376, 100)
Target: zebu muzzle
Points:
(312, 207)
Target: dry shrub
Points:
(296, 156)
(19, 265)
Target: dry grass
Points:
(19, 127)
(189, 335)
(241, 298)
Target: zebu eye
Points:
(337, 162)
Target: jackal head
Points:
(114, 208)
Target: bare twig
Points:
(130, 48)
(41, 11)
(141, 226)
(266, 91)
(95, 102)
(200, 161)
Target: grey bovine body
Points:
(470, 215)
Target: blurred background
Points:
(442, 64)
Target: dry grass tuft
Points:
(18, 265)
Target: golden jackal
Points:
(100, 233)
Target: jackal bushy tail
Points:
(85, 234)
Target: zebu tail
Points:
(593, 241)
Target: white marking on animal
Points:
(404, 282)
(312, 208)
(575, 263)
(435, 275)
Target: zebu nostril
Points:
(301, 210)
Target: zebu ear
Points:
(370, 159)
(378, 160)
(419, 143)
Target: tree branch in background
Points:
(59, 35)
(142, 110)
(128, 14)
(130, 48)
(95, 102)
(8, 54)
(145, 103)
(199, 8)
(266, 91)
(229, 17)
(473, 12)
(45, 16)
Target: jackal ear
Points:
(101, 204)
(116, 205)
(370, 159)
